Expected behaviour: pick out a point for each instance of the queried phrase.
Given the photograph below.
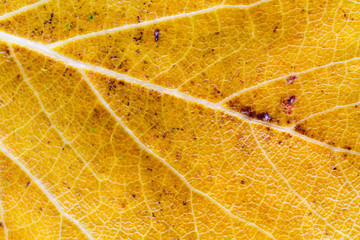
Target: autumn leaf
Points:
(231, 119)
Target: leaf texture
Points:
(179, 119)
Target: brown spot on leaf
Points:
(264, 116)
(248, 111)
(288, 104)
(300, 129)
(291, 79)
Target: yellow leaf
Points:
(235, 119)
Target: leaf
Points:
(179, 119)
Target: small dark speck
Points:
(242, 182)
(334, 168)
(291, 79)
(280, 142)
(291, 100)
(28, 183)
(133, 195)
(156, 34)
(184, 203)
(1, 224)
(153, 214)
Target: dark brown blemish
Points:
(264, 116)
(274, 31)
(28, 183)
(348, 147)
(50, 20)
(153, 215)
(184, 203)
(133, 196)
(291, 100)
(288, 104)
(242, 182)
(1, 224)
(51, 17)
(247, 111)
(291, 79)
(156, 35)
(300, 129)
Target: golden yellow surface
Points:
(9, 6)
(179, 120)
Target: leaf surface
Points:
(179, 119)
